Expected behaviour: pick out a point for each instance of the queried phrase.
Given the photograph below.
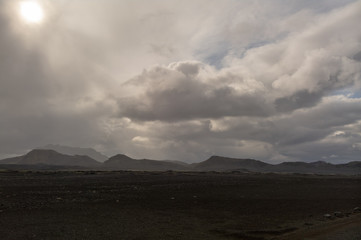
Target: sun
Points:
(31, 12)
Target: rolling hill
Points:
(123, 162)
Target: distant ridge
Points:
(319, 167)
(45, 157)
(217, 163)
(123, 162)
(76, 151)
(52, 158)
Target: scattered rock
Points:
(338, 214)
(357, 210)
(327, 216)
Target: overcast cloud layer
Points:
(184, 80)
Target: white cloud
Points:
(338, 134)
(139, 139)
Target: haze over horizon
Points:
(183, 80)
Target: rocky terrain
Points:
(57, 205)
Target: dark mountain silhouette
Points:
(39, 158)
(51, 157)
(217, 163)
(123, 162)
(356, 164)
(12, 160)
(77, 151)
(177, 162)
(41, 167)
(319, 167)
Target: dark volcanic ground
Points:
(169, 205)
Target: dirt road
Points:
(348, 228)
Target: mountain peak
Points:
(73, 151)
(320, 163)
(216, 158)
(41, 152)
(51, 157)
(218, 163)
(120, 157)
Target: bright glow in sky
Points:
(31, 12)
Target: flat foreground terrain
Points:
(176, 205)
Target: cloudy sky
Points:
(273, 80)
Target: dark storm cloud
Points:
(175, 94)
(340, 147)
(335, 120)
(301, 99)
(357, 56)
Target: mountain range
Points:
(49, 158)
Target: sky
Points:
(272, 80)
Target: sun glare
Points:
(31, 12)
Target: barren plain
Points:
(177, 205)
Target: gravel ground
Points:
(172, 205)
